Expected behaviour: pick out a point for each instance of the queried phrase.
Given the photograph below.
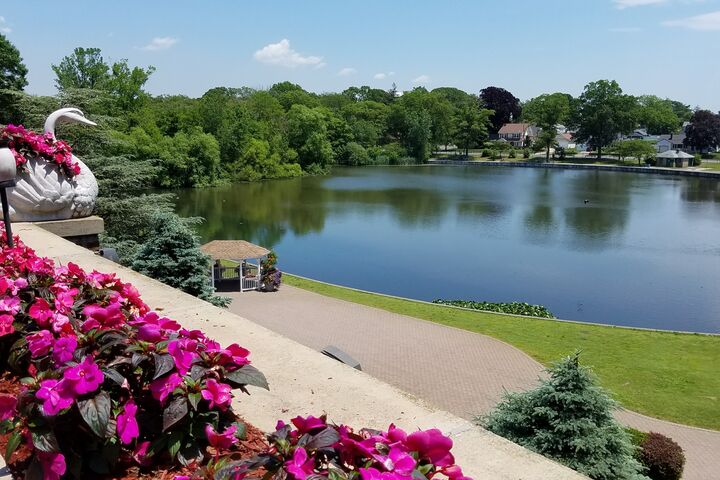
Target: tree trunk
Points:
(599, 153)
(547, 154)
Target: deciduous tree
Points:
(639, 149)
(657, 115)
(546, 111)
(12, 81)
(470, 126)
(84, 68)
(703, 133)
(505, 105)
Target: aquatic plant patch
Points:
(514, 308)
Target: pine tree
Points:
(568, 418)
(172, 255)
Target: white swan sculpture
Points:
(43, 193)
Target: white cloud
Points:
(160, 43)
(3, 26)
(383, 75)
(707, 22)
(347, 71)
(622, 4)
(281, 54)
(625, 29)
(421, 80)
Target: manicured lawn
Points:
(672, 376)
(711, 165)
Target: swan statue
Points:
(42, 192)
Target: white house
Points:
(518, 133)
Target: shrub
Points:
(172, 255)
(662, 457)
(697, 161)
(526, 153)
(512, 153)
(106, 383)
(515, 308)
(486, 153)
(310, 448)
(568, 418)
(357, 155)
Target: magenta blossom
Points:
(218, 394)
(85, 377)
(140, 454)
(433, 445)
(183, 353)
(8, 405)
(221, 441)
(401, 463)
(308, 424)
(395, 434)
(40, 312)
(40, 343)
(53, 465)
(10, 304)
(55, 395)
(164, 386)
(64, 300)
(127, 426)
(300, 467)
(6, 324)
(63, 350)
(103, 317)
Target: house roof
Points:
(233, 250)
(673, 137)
(514, 128)
(674, 154)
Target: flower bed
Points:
(95, 385)
(25, 144)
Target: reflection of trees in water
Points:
(607, 211)
(540, 219)
(481, 209)
(698, 189)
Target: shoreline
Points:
(579, 166)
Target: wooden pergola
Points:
(247, 255)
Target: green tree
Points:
(657, 115)
(568, 418)
(126, 84)
(639, 149)
(13, 74)
(84, 68)
(172, 255)
(546, 111)
(602, 113)
(470, 126)
(308, 135)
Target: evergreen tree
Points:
(172, 255)
(13, 79)
(568, 418)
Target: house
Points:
(638, 134)
(674, 141)
(564, 140)
(518, 134)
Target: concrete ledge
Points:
(81, 231)
(303, 381)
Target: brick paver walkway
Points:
(462, 372)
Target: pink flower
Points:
(299, 466)
(432, 444)
(308, 424)
(40, 343)
(402, 463)
(65, 300)
(183, 353)
(221, 441)
(40, 311)
(10, 304)
(217, 394)
(164, 386)
(85, 377)
(454, 472)
(6, 324)
(127, 426)
(55, 395)
(103, 317)
(8, 404)
(63, 350)
(53, 465)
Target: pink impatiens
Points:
(221, 441)
(218, 394)
(127, 425)
(56, 396)
(85, 377)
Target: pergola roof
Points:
(674, 154)
(233, 250)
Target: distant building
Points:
(674, 158)
(565, 140)
(674, 141)
(518, 134)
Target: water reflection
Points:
(560, 238)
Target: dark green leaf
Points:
(137, 359)
(163, 364)
(114, 375)
(194, 399)
(96, 412)
(247, 375)
(241, 430)
(190, 453)
(175, 442)
(174, 412)
(45, 441)
(12, 444)
(197, 372)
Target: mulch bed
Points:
(253, 444)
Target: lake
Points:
(617, 248)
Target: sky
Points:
(669, 48)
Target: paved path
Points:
(462, 372)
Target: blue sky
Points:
(665, 47)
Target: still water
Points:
(644, 250)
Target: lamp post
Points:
(8, 170)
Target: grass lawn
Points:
(673, 376)
(711, 165)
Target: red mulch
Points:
(253, 444)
